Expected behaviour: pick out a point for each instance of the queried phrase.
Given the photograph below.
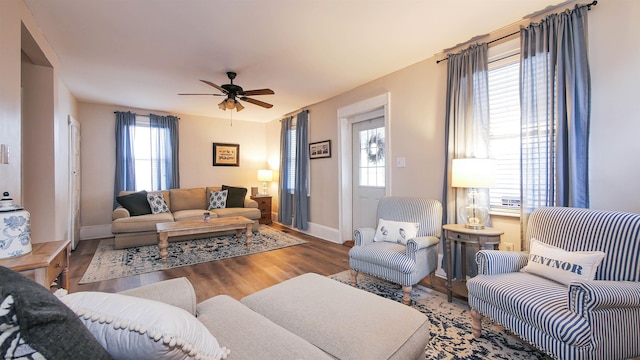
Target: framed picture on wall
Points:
(320, 149)
(226, 154)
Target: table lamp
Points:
(474, 174)
(264, 176)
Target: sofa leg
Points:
(406, 297)
(476, 323)
(354, 277)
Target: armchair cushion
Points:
(385, 254)
(562, 266)
(396, 231)
(538, 298)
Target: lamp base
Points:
(474, 226)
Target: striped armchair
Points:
(595, 319)
(401, 264)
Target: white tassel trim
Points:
(171, 341)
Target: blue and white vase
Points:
(15, 229)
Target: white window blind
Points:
(504, 143)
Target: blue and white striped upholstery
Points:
(597, 319)
(404, 265)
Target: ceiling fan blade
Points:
(257, 102)
(258, 92)
(205, 94)
(214, 85)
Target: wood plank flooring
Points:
(236, 277)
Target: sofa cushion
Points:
(345, 322)
(395, 231)
(537, 301)
(235, 198)
(250, 335)
(157, 203)
(562, 266)
(250, 213)
(139, 223)
(133, 328)
(33, 320)
(198, 214)
(188, 199)
(136, 203)
(218, 199)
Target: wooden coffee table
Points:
(191, 227)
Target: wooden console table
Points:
(45, 263)
(457, 233)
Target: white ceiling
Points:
(142, 53)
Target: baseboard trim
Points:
(95, 232)
(319, 231)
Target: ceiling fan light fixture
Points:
(223, 105)
(230, 103)
(239, 106)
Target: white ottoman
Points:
(343, 321)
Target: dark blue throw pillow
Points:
(36, 321)
(136, 203)
(235, 196)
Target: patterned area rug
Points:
(110, 263)
(451, 336)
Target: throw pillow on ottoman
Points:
(34, 323)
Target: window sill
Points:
(504, 213)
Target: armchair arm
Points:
(491, 262)
(119, 213)
(588, 296)
(177, 292)
(421, 242)
(363, 236)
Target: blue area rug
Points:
(111, 263)
(451, 336)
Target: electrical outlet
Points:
(507, 246)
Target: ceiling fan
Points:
(234, 92)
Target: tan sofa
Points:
(184, 204)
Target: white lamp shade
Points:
(265, 175)
(473, 173)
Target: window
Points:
(150, 172)
(372, 167)
(504, 125)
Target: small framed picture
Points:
(320, 149)
(226, 154)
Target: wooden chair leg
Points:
(354, 277)
(476, 323)
(406, 297)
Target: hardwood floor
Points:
(236, 277)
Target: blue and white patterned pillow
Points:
(157, 203)
(218, 199)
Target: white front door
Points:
(369, 170)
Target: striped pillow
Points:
(560, 265)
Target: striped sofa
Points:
(401, 264)
(597, 319)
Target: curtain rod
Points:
(293, 113)
(594, 3)
(147, 115)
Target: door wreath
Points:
(375, 148)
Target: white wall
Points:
(52, 225)
(197, 135)
(418, 111)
